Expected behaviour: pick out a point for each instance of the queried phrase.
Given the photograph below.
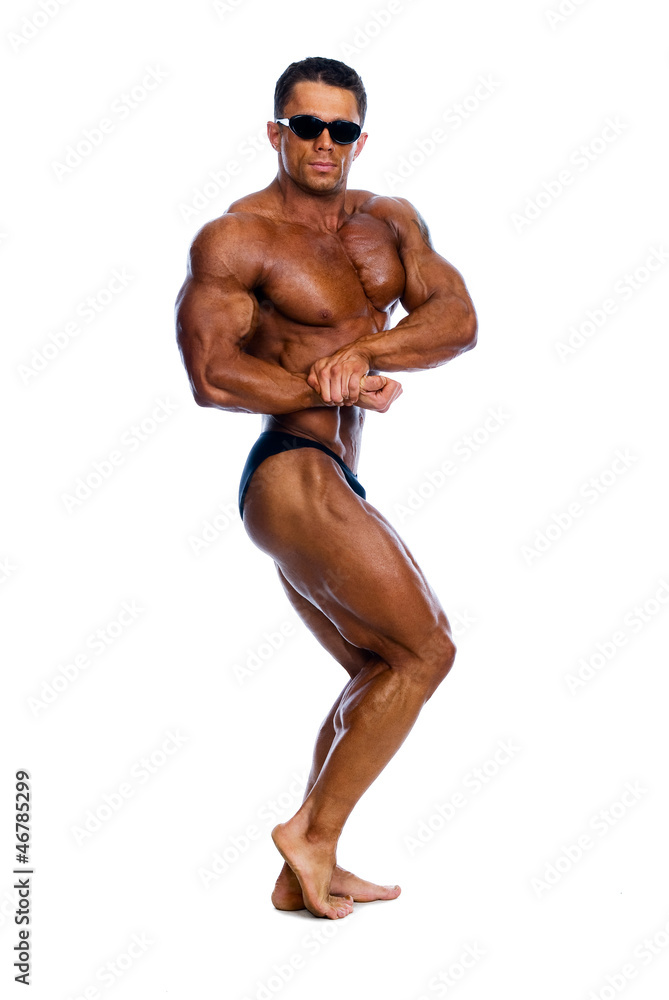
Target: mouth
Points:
(323, 166)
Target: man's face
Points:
(318, 165)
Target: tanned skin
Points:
(286, 311)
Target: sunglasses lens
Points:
(344, 132)
(306, 126)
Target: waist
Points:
(338, 428)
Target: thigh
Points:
(342, 555)
(351, 657)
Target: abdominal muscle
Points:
(337, 427)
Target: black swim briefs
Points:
(273, 442)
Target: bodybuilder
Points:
(286, 312)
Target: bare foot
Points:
(313, 865)
(346, 883)
(287, 893)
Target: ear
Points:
(359, 144)
(274, 135)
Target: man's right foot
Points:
(313, 866)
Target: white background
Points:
(495, 876)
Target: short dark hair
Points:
(318, 69)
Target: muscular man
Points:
(286, 312)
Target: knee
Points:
(437, 659)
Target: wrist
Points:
(309, 398)
(366, 351)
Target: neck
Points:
(312, 208)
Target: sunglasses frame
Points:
(326, 125)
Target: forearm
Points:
(434, 333)
(253, 385)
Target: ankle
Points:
(314, 829)
(322, 835)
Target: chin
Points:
(324, 183)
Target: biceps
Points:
(427, 275)
(212, 327)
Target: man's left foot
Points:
(287, 893)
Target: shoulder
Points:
(398, 213)
(230, 244)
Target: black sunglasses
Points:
(310, 127)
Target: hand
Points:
(377, 392)
(337, 377)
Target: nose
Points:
(324, 140)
